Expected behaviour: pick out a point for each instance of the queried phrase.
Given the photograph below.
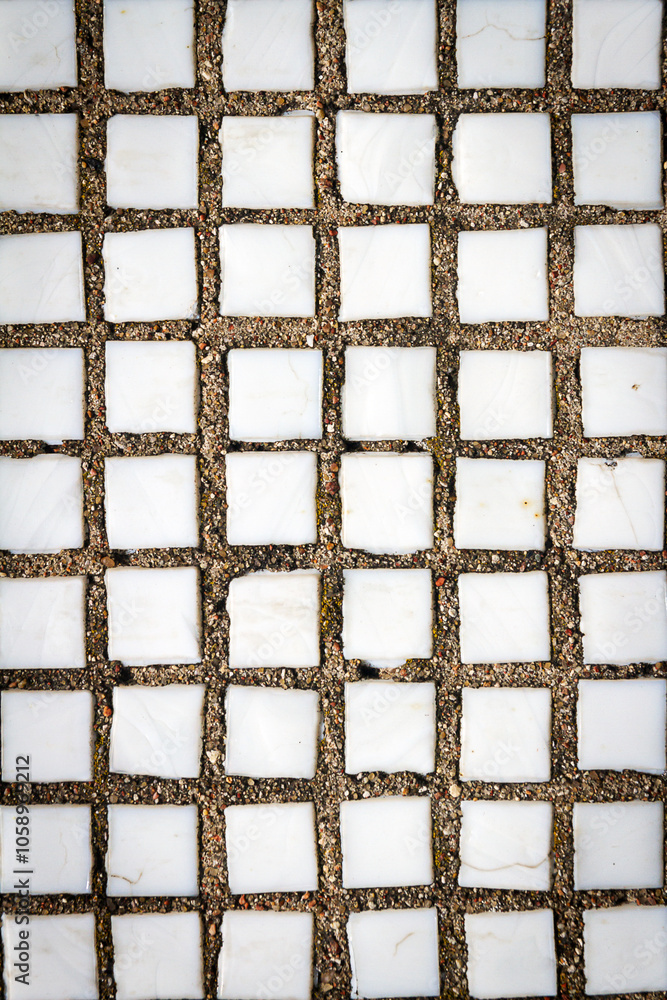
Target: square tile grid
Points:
(329, 277)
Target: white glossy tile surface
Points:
(506, 845)
(42, 623)
(271, 498)
(157, 730)
(386, 841)
(59, 857)
(387, 502)
(504, 617)
(618, 845)
(620, 504)
(151, 387)
(502, 276)
(394, 952)
(267, 270)
(38, 163)
(502, 159)
(153, 615)
(267, 162)
(41, 278)
(618, 160)
(389, 727)
(623, 617)
(616, 44)
(386, 159)
(54, 728)
(390, 47)
(151, 502)
(274, 620)
(268, 45)
(624, 949)
(62, 963)
(266, 951)
(511, 954)
(505, 394)
(37, 45)
(621, 725)
(271, 733)
(271, 847)
(148, 46)
(150, 275)
(387, 615)
(499, 504)
(152, 851)
(157, 956)
(624, 391)
(500, 43)
(389, 393)
(618, 271)
(506, 734)
(275, 394)
(41, 394)
(152, 161)
(385, 271)
(41, 506)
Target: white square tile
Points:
(61, 958)
(387, 502)
(59, 857)
(506, 845)
(616, 44)
(505, 394)
(500, 43)
(148, 46)
(266, 952)
(151, 387)
(268, 45)
(274, 620)
(511, 954)
(271, 847)
(624, 617)
(621, 725)
(41, 394)
(386, 841)
(271, 733)
(152, 161)
(389, 393)
(499, 504)
(150, 275)
(42, 623)
(502, 159)
(394, 952)
(385, 271)
(620, 504)
(389, 727)
(502, 276)
(41, 506)
(624, 949)
(618, 270)
(618, 160)
(618, 845)
(386, 159)
(275, 394)
(387, 615)
(506, 734)
(624, 391)
(267, 270)
(267, 162)
(271, 498)
(151, 502)
(153, 615)
(41, 278)
(157, 955)
(152, 851)
(55, 728)
(390, 47)
(504, 617)
(38, 163)
(37, 45)
(157, 730)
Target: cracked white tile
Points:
(506, 845)
(37, 45)
(500, 43)
(620, 504)
(394, 952)
(152, 851)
